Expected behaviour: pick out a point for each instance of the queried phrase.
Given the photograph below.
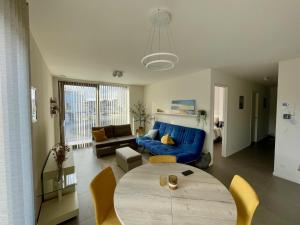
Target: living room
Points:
(124, 73)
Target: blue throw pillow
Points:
(151, 134)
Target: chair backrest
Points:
(245, 198)
(162, 159)
(102, 188)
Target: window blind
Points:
(113, 105)
(83, 106)
(80, 112)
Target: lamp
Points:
(160, 51)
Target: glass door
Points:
(80, 103)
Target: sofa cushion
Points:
(151, 134)
(99, 135)
(126, 138)
(122, 130)
(167, 140)
(108, 142)
(115, 141)
(109, 130)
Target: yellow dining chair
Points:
(163, 159)
(245, 198)
(102, 188)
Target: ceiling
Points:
(263, 73)
(89, 39)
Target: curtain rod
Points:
(60, 79)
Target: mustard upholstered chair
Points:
(162, 159)
(245, 198)
(102, 188)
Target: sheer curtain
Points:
(16, 181)
(113, 105)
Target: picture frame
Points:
(186, 106)
(265, 103)
(33, 104)
(241, 102)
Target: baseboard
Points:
(288, 178)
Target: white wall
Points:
(272, 112)
(194, 86)
(43, 129)
(287, 153)
(239, 121)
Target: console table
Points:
(60, 202)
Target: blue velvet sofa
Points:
(188, 142)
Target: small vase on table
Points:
(59, 152)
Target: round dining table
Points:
(200, 198)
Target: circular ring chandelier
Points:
(160, 51)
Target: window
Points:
(113, 105)
(80, 113)
(89, 105)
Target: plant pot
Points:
(140, 131)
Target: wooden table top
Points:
(200, 198)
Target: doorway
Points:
(254, 117)
(220, 121)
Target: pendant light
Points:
(160, 50)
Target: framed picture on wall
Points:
(265, 103)
(33, 105)
(241, 102)
(183, 106)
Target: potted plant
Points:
(201, 117)
(139, 115)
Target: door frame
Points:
(225, 117)
(61, 102)
(255, 97)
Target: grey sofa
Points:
(118, 136)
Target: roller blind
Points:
(113, 105)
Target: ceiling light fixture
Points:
(160, 50)
(117, 73)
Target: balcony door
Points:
(80, 109)
(84, 106)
